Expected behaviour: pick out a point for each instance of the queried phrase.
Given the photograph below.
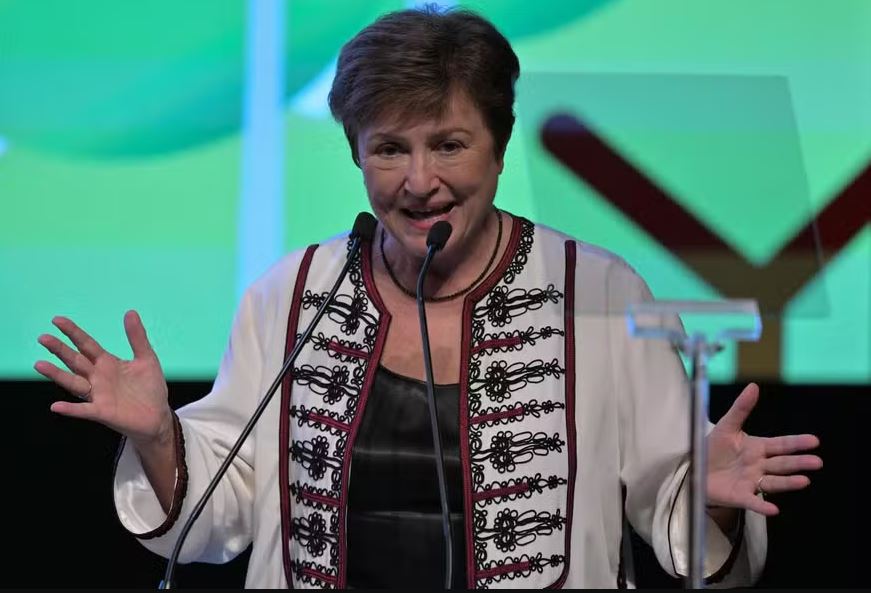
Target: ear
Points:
(355, 154)
(500, 158)
(354, 144)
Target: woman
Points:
(548, 413)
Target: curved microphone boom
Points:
(363, 231)
(435, 240)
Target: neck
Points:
(453, 269)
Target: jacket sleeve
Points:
(654, 422)
(205, 432)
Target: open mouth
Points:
(418, 214)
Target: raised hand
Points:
(741, 466)
(128, 396)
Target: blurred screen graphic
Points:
(135, 171)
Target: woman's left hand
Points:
(741, 466)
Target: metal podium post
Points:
(698, 348)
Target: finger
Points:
(734, 419)
(83, 410)
(136, 335)
(791, 464)
(85, 343)
(761, 506)
(775, 484)
(75, 361)
(76, 385)
(789, 444)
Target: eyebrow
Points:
(381, 136)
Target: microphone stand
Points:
(167, 583)
(433, 247)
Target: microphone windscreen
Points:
(438, 234)
(364, 227)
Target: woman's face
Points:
(419, 173)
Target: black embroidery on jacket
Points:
(334, 384)
(534, 485)
(314, 456)
(507, 449)
(309, 495)
(503, 305)
(311, 300)
(320, 342)
(514, 340)
(305, 571)
(500, 379)
(306, 416)
(350, 311)
(518, 263)
(521, 567)
(312, 532)
(512, 529)
(323, 409)
(533, 408)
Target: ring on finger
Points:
(86, 395)
(759, 488)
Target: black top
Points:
(395, 535)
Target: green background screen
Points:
(128, 156)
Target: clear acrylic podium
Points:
(738, 320)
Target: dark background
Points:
(61, 529)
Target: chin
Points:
(418, 250)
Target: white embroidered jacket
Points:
(559, 411)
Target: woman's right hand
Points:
(128, 396)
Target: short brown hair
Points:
(409, 62)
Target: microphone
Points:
(435, 240)
(438, 235)
(363, 231)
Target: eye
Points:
(387, 150)
(450, 147)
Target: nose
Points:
(421, 178)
